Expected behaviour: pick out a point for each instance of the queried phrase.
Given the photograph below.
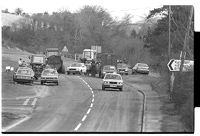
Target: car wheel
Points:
(42, 83)
(56, 83)
(126, 73)
(103, 88)
(121, 89)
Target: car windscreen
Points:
(24, 72)
(49, 72)
(116, 77)
(108, 68)
(38, 59)
(142, 65)
(76, 65)
(122, 66)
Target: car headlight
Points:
(104, 72)
(120, 83)
(114, 72)
(106, 82)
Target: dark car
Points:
(108, 69)
(23, 75)
(49, 75)
(122, 68)
(140, 68)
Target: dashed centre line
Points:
(91, 105)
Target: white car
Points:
(76, 68)
(113, 81)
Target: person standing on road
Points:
(20, 62)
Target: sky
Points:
(117, 8)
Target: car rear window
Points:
(24, 72)
(109, 76)
(49, 72)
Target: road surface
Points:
(79, 105)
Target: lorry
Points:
(54, 59)
(89, 54)
(37, 63)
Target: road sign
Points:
(174, 65)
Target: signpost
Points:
(174, 65)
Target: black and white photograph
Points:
(97, 66)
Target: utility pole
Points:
(169, 51)
(186, 39)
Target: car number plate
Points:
(113, 85)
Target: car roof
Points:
(142, 63)
(112, 74)
(24, 68)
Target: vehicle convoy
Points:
(49, 75)
(140, 68)
(38, 63)
(113, 81)
(76, 68)
(54, 59)
(23, 75)
(122, 68)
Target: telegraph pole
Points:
(169, 50)
(186, 39)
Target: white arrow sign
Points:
(174, 65)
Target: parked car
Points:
(108, 69)
(76, 68)
(140, 68)
(23, 75)
(122, 68)
(112, 81)
(49, 75)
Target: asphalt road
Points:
(81, 106)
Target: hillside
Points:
(9, 19)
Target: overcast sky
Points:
(117, 8)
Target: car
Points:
(122, 68)
(140, 68)
(76, 68)
(113, 81)
(49, 75)
(23, 75)
(108, 69)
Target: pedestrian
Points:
(20, 62)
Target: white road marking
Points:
(34, 101)
(91, 105)
(84, 117)
(15, 124)
(88, 110)
(77, 127)
(26, 102)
